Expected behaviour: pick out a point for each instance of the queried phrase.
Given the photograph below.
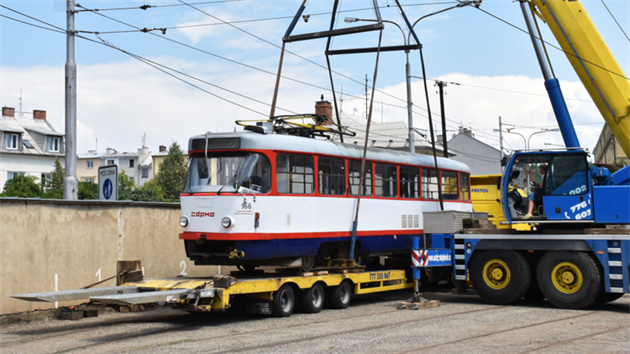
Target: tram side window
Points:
(385, 181)
(449, 185)
(354, 178)
(429, 184)
(332, 176)
(409, 178)
(294, 174)
(464, 187)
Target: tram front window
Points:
(228, 172)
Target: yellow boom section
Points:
(599, 71)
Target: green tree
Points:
(22, 187)
(172, 173)
(125, 186)
(88, 190)
(57, 175)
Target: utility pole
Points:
(441, 85)
(501, 137)
(70, 183)
(366, 96)
(412, 142)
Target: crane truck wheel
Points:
(339, 296)
(313, 298)
(283, 302)
(499, 277)
(569, 280)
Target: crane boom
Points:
(593, 61)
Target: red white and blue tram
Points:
(261, 198)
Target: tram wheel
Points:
(313, 298)
(339, 296)
(569, 280)
(500, 277)
(283, 302)
(308, 263)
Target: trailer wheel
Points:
(569, 280)
(500, 277)
(339, 296)
(283, 302)
(313, 299)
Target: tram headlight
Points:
(227, 222)
(183, 221)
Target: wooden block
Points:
(90, 313)
(223, 281)
(71, 315)
(607, 231)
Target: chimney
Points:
(324, 109)
(162, 148)
(8, 112)
(37, 114)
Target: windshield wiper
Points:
(231, 180)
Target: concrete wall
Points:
(73, 240)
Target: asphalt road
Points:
(462, 323)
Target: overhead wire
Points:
(552, 45)
(146, 61)
(617, 22)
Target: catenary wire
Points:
(617, 22)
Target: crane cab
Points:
(548, 187)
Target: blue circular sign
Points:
(108, 189)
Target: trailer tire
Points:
(569, 280)
(339, 296)
(500, 277)
(283, 302)
(313, 298)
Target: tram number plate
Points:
(380, 276)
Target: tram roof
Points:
(257, 141)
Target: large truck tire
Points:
(570, 280)
(313, 298)
(339, 296)
(283, 302)
(499, 277)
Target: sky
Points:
(205, 74)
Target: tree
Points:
(88, 190)
(58, 175)
(125, 186)
(172, 173)
(22, 187)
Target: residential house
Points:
(158, 158)
(137, 165)
(87, 166)
(482, 158)
(608, 150)
(28, 145)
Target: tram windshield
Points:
(228, 172)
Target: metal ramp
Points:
(65, 295)
(147, 297)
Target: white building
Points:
(137, 165)
(28, 145)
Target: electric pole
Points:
(70, 183)
(441, 85)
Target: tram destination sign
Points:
(108, 182)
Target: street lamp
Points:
(542, 131)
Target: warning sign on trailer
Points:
(108, 182)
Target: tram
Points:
(264, 197)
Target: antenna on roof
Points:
(21, 114)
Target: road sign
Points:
(108, 182)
